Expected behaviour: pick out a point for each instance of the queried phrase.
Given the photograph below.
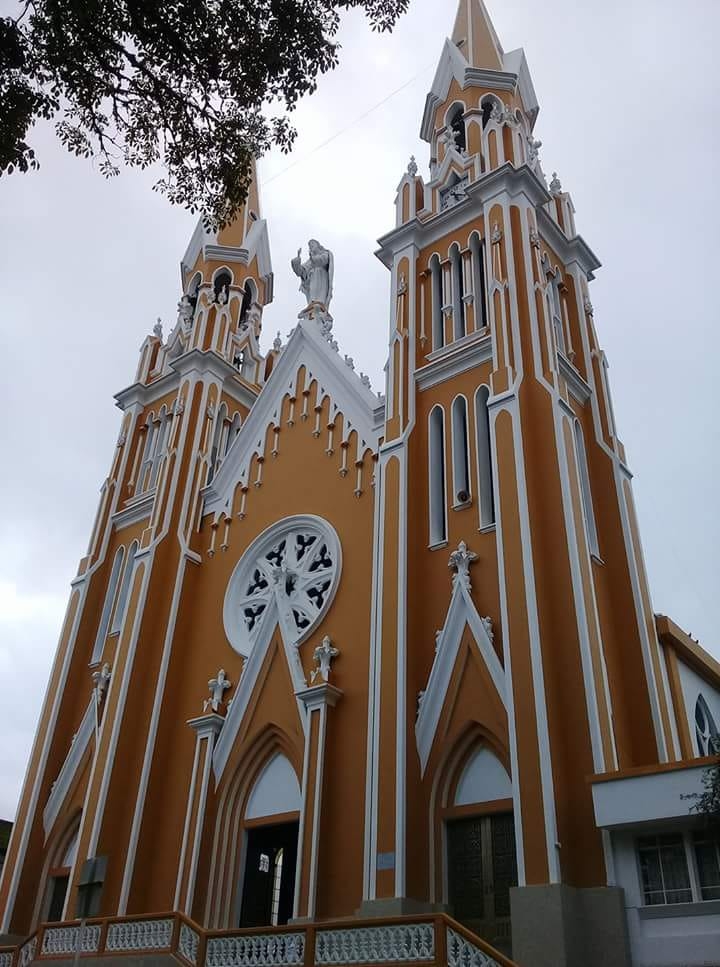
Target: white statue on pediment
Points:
(316, 277)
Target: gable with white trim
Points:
(363, 412)
(462, 614)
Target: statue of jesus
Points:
(316, 275)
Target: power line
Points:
(348, 127)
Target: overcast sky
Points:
(629, 118)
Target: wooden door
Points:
(482, 867)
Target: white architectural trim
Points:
(61, 787)
(246, 686)
(652, 798)
(458, 357)
(461, 612)
(307, 347)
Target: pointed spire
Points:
(235, 232)
(475, 36)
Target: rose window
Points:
(292, 571)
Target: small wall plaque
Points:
(386, 861)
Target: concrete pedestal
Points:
(564, 926)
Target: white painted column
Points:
(206, 728)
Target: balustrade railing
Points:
(430, 941)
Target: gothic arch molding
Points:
(225, 882)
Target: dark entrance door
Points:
(269, 884)
(482, 866)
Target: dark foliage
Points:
(199, 86)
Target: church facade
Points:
(337, 656)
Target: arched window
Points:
(487, 106)
(706, 731)
(456, 127)
(217, 451)
(438, 329)
(102, 631)
(160, 445)
(461, 461)
(458, 292)
(555, 310)
(250, 296)
(233, 430)
(221, 286)
(486, 488)
(585, 491)
(477, 254)
(122, 602)
(436, 456)
(194, 290)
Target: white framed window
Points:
(122, 601)
(486, 488)
(585, 491)
(436, 472)
(458, 293)
(461, 458)
(679, 867)
(706, 847)
(477, 255)
(438, 325)
(110, 594)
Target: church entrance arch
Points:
(271, 826)
(479, 844)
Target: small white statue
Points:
(316, 276)
(101, 679)
(218, 686)
(186, 311)
(323, 657)
(157, 329)
(555, 185)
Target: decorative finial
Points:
(460, 561)
(555, 185)
(218, 686)
(350, 362)
(365, 380)
(323, 657)
(157, 329)
(412, 168)
(277, 343)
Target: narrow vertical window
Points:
(438, 500)
(461, 462)
(122, 602)
(160, 445)
(585, 491)
(484, 456)
(456, 128)
(216, 451)
(438, 335)
(233, 431)
(457, 293)
(102, 631)
(477, 250)
(556, 314)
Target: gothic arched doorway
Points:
(481, 858)
(271, 844)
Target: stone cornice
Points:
(201, 363)
(576, 384)
(507, 180)
(569, 250)
(460, 356)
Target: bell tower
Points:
(500, 447)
